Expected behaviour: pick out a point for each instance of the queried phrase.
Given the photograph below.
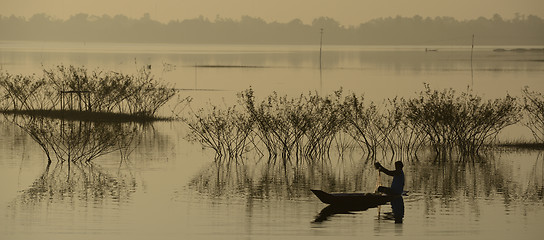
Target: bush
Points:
(224, 131)
(534, 111)
(138, 94)
(77, 141)
(308, 125)
(76, 88)
(464, 121)
(26, 92)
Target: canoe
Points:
(363, 200)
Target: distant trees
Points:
(416, 30)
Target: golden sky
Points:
(347, 12)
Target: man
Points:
(396, 189)
(397, 186)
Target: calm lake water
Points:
(170, 188)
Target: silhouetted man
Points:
(396, 189)
(397, 186)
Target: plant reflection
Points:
(79, 141)
(75, 144)
(84, 181)
(535, 185)
(448, 183)
(448, 179)
(265, 179)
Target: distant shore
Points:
(519, 50)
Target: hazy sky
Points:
(347, 12)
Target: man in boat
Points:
(396, 189)
(397, 186)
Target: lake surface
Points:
(171, 188)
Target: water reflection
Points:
(438, 185)
(481, 176)
(259, 178)
(79, 141)
(64, 181)
(535, 186)
(75, 179)
(397, 207)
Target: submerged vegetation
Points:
(77, 89)
(463, 121)
(309, 126)
(72, 108)
(76, 115)
(534, 109)
(79, 141)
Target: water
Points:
(169, 188)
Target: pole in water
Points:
(321, 62)
(321, 49)
(378, 183)
(196, 75)
(471, 68)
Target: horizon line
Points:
(218, 18)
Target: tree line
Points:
(416, 30)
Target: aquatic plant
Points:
(326, 123)
(304, 126)
(76, 88)
(399, 136)
(460, 121)
(307, 126)
(138, 94)
(534, 111)
(280, 122)
(364, 123)
(25, 92)
(78, 141)
(224, 131)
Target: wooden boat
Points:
(354, 200)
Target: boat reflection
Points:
(397, 214)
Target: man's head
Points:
(398, 165)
